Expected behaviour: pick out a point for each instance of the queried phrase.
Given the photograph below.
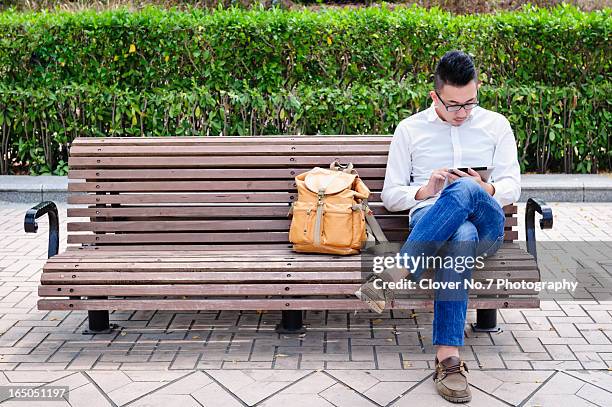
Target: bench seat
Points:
(201, 223)
(242, 280)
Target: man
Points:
(449, 206)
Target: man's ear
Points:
(433, 96)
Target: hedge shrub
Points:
(272, 49)
(557, 128)
(236, 72)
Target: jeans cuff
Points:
(447, 342)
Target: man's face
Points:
(451, 95)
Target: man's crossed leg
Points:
(464, 221)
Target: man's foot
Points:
(451, 380)
(375, 298)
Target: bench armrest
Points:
(30, 225)
(536, 205)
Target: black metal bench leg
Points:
(98, 322)
(291, 323)
(486, 321)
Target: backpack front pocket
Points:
(337, 225)
(302, 223)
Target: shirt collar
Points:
(431, 114)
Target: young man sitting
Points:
(449, 206)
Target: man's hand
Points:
(490, 189)
(435, 183)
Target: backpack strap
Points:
(375, 232)
(323, 187)
(348, 168)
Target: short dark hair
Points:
(456, 68)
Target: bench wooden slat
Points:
(156, 247)
(222, 289)
(192, 186)
(212, 264)
(183, 211)
(182, 238)
(189, 246)
(227, 150)
(265, 304)
(183, 277)
(139, 255)
(510, 235)
(233, 140)
(209, 255)
(123, 247)
(173, 211)
(214, 197)
(181, 225)
(220, 237)
(236, 161)
(507, 250)
(207, 173)
(196, 289)
(162, 224)
(178, 277)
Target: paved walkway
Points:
(560, 354)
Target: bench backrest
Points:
(210, 192)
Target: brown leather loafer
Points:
(451, 380)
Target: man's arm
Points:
(506, 177)
(398, 194)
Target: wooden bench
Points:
(200, 223)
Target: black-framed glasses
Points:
(456, 108)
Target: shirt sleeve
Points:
(506, 177)
(397, 193)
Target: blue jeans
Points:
(464, 213)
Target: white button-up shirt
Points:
(423, 142)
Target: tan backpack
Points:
(330, 213)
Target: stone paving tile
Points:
(425, 395)
(380, 386)
(302, 400)
(304, 392)
(187, 384)
(510, 386)
(341, 395)
(214, 394)
(73, 381)
(29, 377)
(602, 379)
(253, 386)
(133, 391)
(88, 396)
(165, 400)
(14, 403)
(38, 347)
(109, 380)
(564, 389)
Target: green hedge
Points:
(237, 72)
(272, 49)
(561, 129)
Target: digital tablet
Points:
(484, 172)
